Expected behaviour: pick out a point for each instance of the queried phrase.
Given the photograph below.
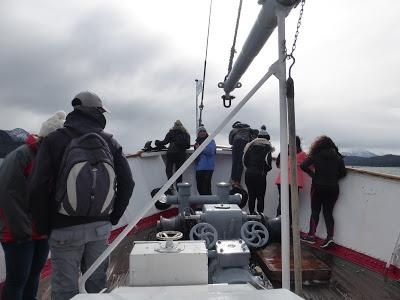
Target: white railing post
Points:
(284, 152)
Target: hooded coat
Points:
(178, 140)
(16, 224)
(257, 157)
(44, 175)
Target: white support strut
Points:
(141, 213)
(284, 153)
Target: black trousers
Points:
(176, 159)
(256, 185)
(278, 210)
(203, 179)
(237, 164)
(325, 197)
(24, 262)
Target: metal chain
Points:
(296, 35)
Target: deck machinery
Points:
(217, 238)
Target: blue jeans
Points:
(24, 262)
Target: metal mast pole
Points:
(281, 14)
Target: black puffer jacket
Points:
(44, 175)
(257, 157)
(178, 140)
(328, 167)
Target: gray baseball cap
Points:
(88, 99)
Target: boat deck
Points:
(348, 280)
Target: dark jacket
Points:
(240, 131)
(328, 167)
(178, 141)
(15, 218)
(257, 157)
(44, 175)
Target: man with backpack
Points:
(81, 184)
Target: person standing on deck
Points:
(25, 250)
(300, 157)
(239, 136)
(205, 162)
(325, 166)
(81, 183)
(257, 160)
(179, 140)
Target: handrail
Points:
(179, 172)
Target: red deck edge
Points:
(143, 224)
(358, 258)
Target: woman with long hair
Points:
(179, 140)
(325, 166)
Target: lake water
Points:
(385, 170)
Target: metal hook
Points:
(291, 66)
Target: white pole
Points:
(197, 106)
(140, 214)
(284, 153)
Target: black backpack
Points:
(86, 182)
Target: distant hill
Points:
(388, 160)
(360, 153)
(11, 139)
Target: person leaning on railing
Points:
(325, 166)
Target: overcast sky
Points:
(142, 57)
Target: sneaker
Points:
(328, 243)
(308, 239)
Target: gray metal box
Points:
(232, 253)
(226, 218)
(150, 267)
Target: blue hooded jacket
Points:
(206, 160)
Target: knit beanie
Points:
(52, 124)
(263, 133)
(201, 128)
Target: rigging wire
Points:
(201, 106)
(233, 50)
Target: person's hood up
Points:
(260, 141)
(240, 125)
(85, 120)
(52, 124)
